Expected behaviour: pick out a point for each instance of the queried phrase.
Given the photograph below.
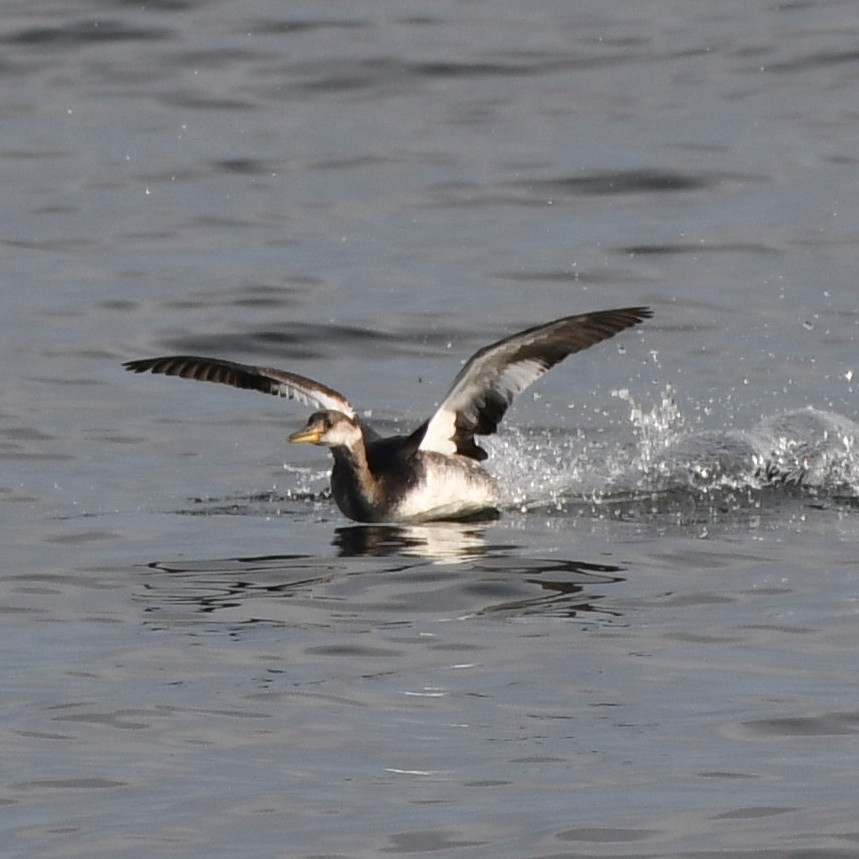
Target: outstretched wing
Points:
(495, 375)
(266, 379)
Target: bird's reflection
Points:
(448, 542)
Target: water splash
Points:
(811, 448)
(669, 466)
(656, 428)
(306, 482)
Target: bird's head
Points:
(329, 428)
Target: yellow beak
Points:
(308, 435)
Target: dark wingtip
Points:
(138, 366)
(640, 313)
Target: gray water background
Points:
(653, 652)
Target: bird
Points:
(436, 471)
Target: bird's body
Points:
(435, 472)
(409, 485)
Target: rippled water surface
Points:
(652, 652)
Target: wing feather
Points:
(495, 375)
(279, 383)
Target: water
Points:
(651, 653)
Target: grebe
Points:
(435, 472)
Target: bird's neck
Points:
(356, 489)
(352, 455)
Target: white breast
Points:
(449, 488)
